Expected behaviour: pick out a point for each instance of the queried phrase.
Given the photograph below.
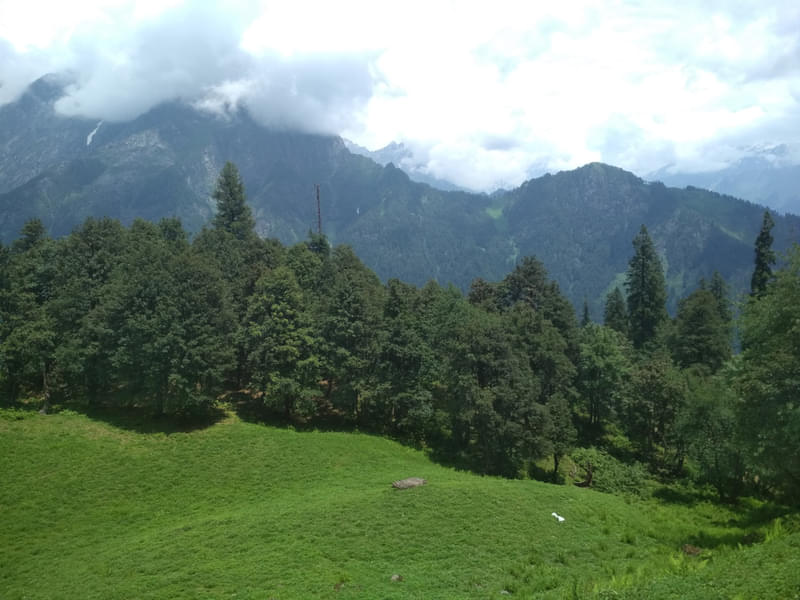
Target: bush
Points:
(609, 474)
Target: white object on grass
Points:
(558, 517)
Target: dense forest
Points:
(503, 380)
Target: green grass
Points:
(93, 509)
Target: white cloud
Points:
(484, 94)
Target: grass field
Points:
(110, 508)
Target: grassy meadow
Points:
(112, 507)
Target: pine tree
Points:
(702, 337)
(616, 315)
(647, 291)
(233, 213)
(765, 257)
(719, 289)
(767, 379)
(586, 318)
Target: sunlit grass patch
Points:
(93, 509)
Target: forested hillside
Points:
(164, 164)
(497, 381)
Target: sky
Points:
(485, 94)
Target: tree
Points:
(647, 291)
(29, 333)
(616, 315)
(170, 322)
(709, 425)
(655, 397)
(402, 399)
(603, 370)
(280, 345)
(702, 338)
(348, 317)
(767, 379)
(86, 262)
(719, 289)
(586, 318)
(765, 256)
(233, 213)
(544, 349)
(528, 283)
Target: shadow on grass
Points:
(140, 421)
(251, 411)
(684, 496)
(132, 418)
(751, 516)
(327, 420)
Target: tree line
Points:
(495, 381)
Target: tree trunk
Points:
(45, 390)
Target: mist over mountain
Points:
(580, 223)
(401, 156)
(768, 175)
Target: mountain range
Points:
(767, 174)
(579, 223)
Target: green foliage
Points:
(29, 331)
(233, 213)
(171, 321)
(615, 315)
(348, 319)
(647, 291)
(604, 368)
(765, 256)
(709, 424)
(701, 337)
(611, 475)
(280, 346)
(720, 290)
(768, 375)
(143, 317)
(655, 397)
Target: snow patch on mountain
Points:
(91, 135)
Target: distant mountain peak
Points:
(401, 156)
(766, 173)
(49, 87)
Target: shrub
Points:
(609, 474)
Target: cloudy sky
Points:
(486, 94)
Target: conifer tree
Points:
(702, 337)
(647, 291)
(586, 318)
(233, 213)
(719, 288)
(765, 257)
(615, 315)
(767, 379)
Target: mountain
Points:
(768, 175)
(164, 163)
(402, 157)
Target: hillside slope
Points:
(111, 507)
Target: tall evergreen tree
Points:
(719, 288)
(767, 379)
(765, 256)
(647, 290)
(616, 314)
(281, 345)
(29, 333)
(702, 337)
(233, 213)
(585, 318)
